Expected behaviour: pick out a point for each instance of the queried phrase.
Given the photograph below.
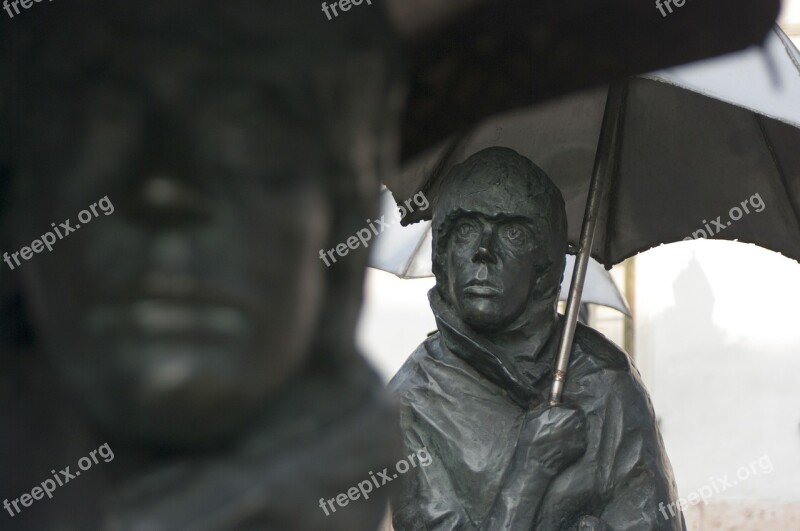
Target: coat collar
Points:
(525, 381)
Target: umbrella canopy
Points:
(471, 59)
(707, 150)
(679, 155)
(406, 253)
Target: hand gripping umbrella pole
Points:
(605, 164)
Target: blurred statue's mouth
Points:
(169, 319)
(183, 309)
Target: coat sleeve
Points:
(640, 493)
(425, 498)
(416, 503)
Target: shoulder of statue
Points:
(409, 376)
(598, 351)
(432, 344)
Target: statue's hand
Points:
(552, 438)
(592, 523)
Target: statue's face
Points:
(490, 269)
(178, 313)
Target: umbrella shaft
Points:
(604, 167)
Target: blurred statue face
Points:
(178, 314)
(490, 269)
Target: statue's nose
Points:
(163, 200)
(484, 255)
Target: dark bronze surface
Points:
(194, 329)
(475, 394)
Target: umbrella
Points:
(406, 253)
(471, 59)
(707, 150)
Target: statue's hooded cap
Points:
(499, 182)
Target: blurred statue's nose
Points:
(164, 201)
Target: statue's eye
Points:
(465, 230)
(515, 234)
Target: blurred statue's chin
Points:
(170, 395)
(172, 420)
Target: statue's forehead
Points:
(262, 40)
(271, 86)
(494, 218)
(495, 200)
(142, 58)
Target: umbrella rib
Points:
(779, 168)
(611, 187)
(788, 46)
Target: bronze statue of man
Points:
(192, 329)
(474, 394)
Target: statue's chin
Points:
(176, 395)
(486, 323)
(164, 424)
(484, 315)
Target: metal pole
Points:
(604, 164)
(630, 295)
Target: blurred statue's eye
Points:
(464, 230)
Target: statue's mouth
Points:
(170, 316)
(188, 314)
(482, 288)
